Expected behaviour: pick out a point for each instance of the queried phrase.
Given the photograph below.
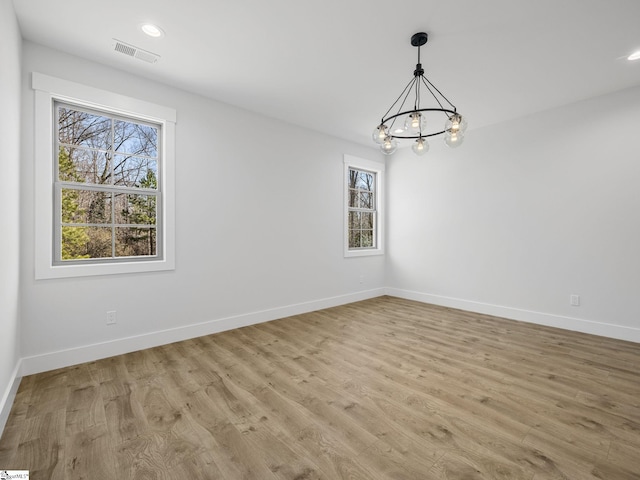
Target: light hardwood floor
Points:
(380, 389)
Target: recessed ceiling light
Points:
(152, 30)
(634, 56)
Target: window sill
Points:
(365, 252)
(77, 270)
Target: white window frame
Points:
(356, 163)
(47, 89)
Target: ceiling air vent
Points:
(135, 52)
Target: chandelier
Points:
(413, 121)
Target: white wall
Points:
(10, 57)
(258, 230)
(523, 215)
(519, 218)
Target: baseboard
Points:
(9, 395)
(88, 353)
(568, 323)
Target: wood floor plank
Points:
(93, 463)
(10, 439)
(42, 445)
(85, 409)
(380, 389)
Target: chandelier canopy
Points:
(412, 120)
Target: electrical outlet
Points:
(111, 317)
(575, 300)
(361, 278)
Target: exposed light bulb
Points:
(455, 123)
(415, 123)
(421, 146)
(380, 133)
(453, 139)
(389, 145)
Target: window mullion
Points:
(112, 183)
(113, 225)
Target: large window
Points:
(363, 216)
(106, 190)
(104, 182)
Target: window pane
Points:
(135, 209)
(82, 128)
(366, 200)
(367, 238)
(100, 242)
(353, 198)
(135, 139)
(74, 243)
(354, 239)
(71, 210)
(84, 166)
(85, 206)
(365, 181)
(86, 242)
(353, 178)
(132, 171)
(135, 241)
(366, 220)
(354, 220)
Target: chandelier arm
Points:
(426, 80)
(408, 87)
(403, 101)
(426, 85)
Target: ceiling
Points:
(335, 66)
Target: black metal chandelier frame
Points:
(419, 79)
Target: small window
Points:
(363, 216)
